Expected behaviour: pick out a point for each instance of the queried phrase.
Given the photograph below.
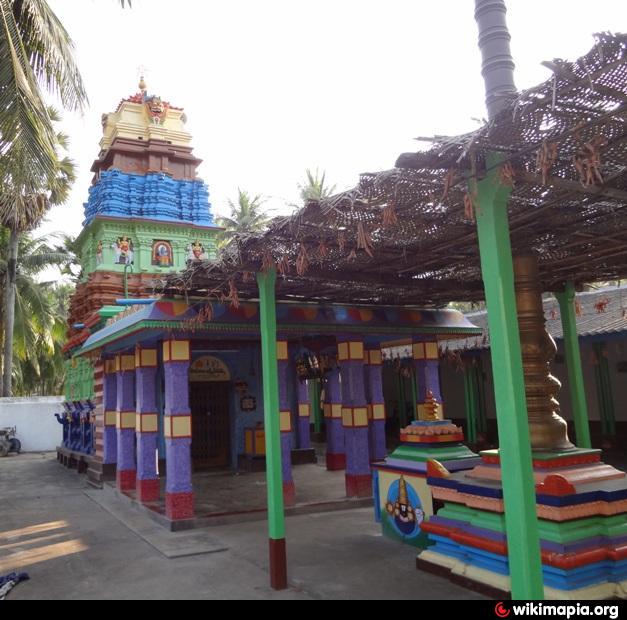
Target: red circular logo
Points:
(501, 611)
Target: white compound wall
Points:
(37, 428)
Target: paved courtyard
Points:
(77, 547)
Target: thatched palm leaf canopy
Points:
(408, 236)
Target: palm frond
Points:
(25, 129)
(51, 52)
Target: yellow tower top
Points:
(145, 117)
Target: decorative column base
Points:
(359, 485)
(336, 455)
(278, 564)
(125, 480)
(289, 493)
(336, 462)
(358, 474)
(179, 506)
(582, 557)
(148, 490)
(147, 475)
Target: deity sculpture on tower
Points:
(123, 249)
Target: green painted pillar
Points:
(566, 301)
(402, 405)
(509, 384)
(470, 397)
(274, 478)
(414, 392)
(482, 420)
(314, 399)
(604, 390)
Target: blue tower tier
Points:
(153, 196)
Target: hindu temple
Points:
(160, 386)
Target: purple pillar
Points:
(355, 418)
(304, 413)
(179, 492)
(336, 455)
(110, 403)
(285, 411)
(376, 404)
(427, 367)
(125, 422)
(147, 429)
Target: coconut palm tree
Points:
(29, 200)
(35, 52)
(247, 215)
(314, 187)
(39, 367)
(36, 315)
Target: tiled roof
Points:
(599, 313)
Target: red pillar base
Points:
(278, 564)
(359, 486)
(289, 493)
(336, 462)
(125, 480)
(148, 490)
(179, 506)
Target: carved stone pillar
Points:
(548, 429)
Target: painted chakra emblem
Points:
(404, 508)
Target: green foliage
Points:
(41, 310)
(314, 187)
(35, 52)
(247, 216)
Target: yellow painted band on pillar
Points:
(286, 421)
(282, 353)
(178, 426)
(147, 423)
(125, 420)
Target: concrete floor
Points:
(75, 549)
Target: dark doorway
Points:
(211, 432)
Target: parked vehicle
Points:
(8, 441)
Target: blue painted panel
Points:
(153, 196)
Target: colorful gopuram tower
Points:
(147, 215)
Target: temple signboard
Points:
(209, 368)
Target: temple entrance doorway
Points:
(209, 397)
(211, 437)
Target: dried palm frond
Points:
(233, 294)
(364, 240)
(389, 218)
(302, 262)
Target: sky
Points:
(273, 87)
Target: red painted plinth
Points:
(278, 564)
(179, 506)
(125, 480)
(289, 493)
(336, 462)
(147, 490)
(358, 486)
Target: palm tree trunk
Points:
(9, 312)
